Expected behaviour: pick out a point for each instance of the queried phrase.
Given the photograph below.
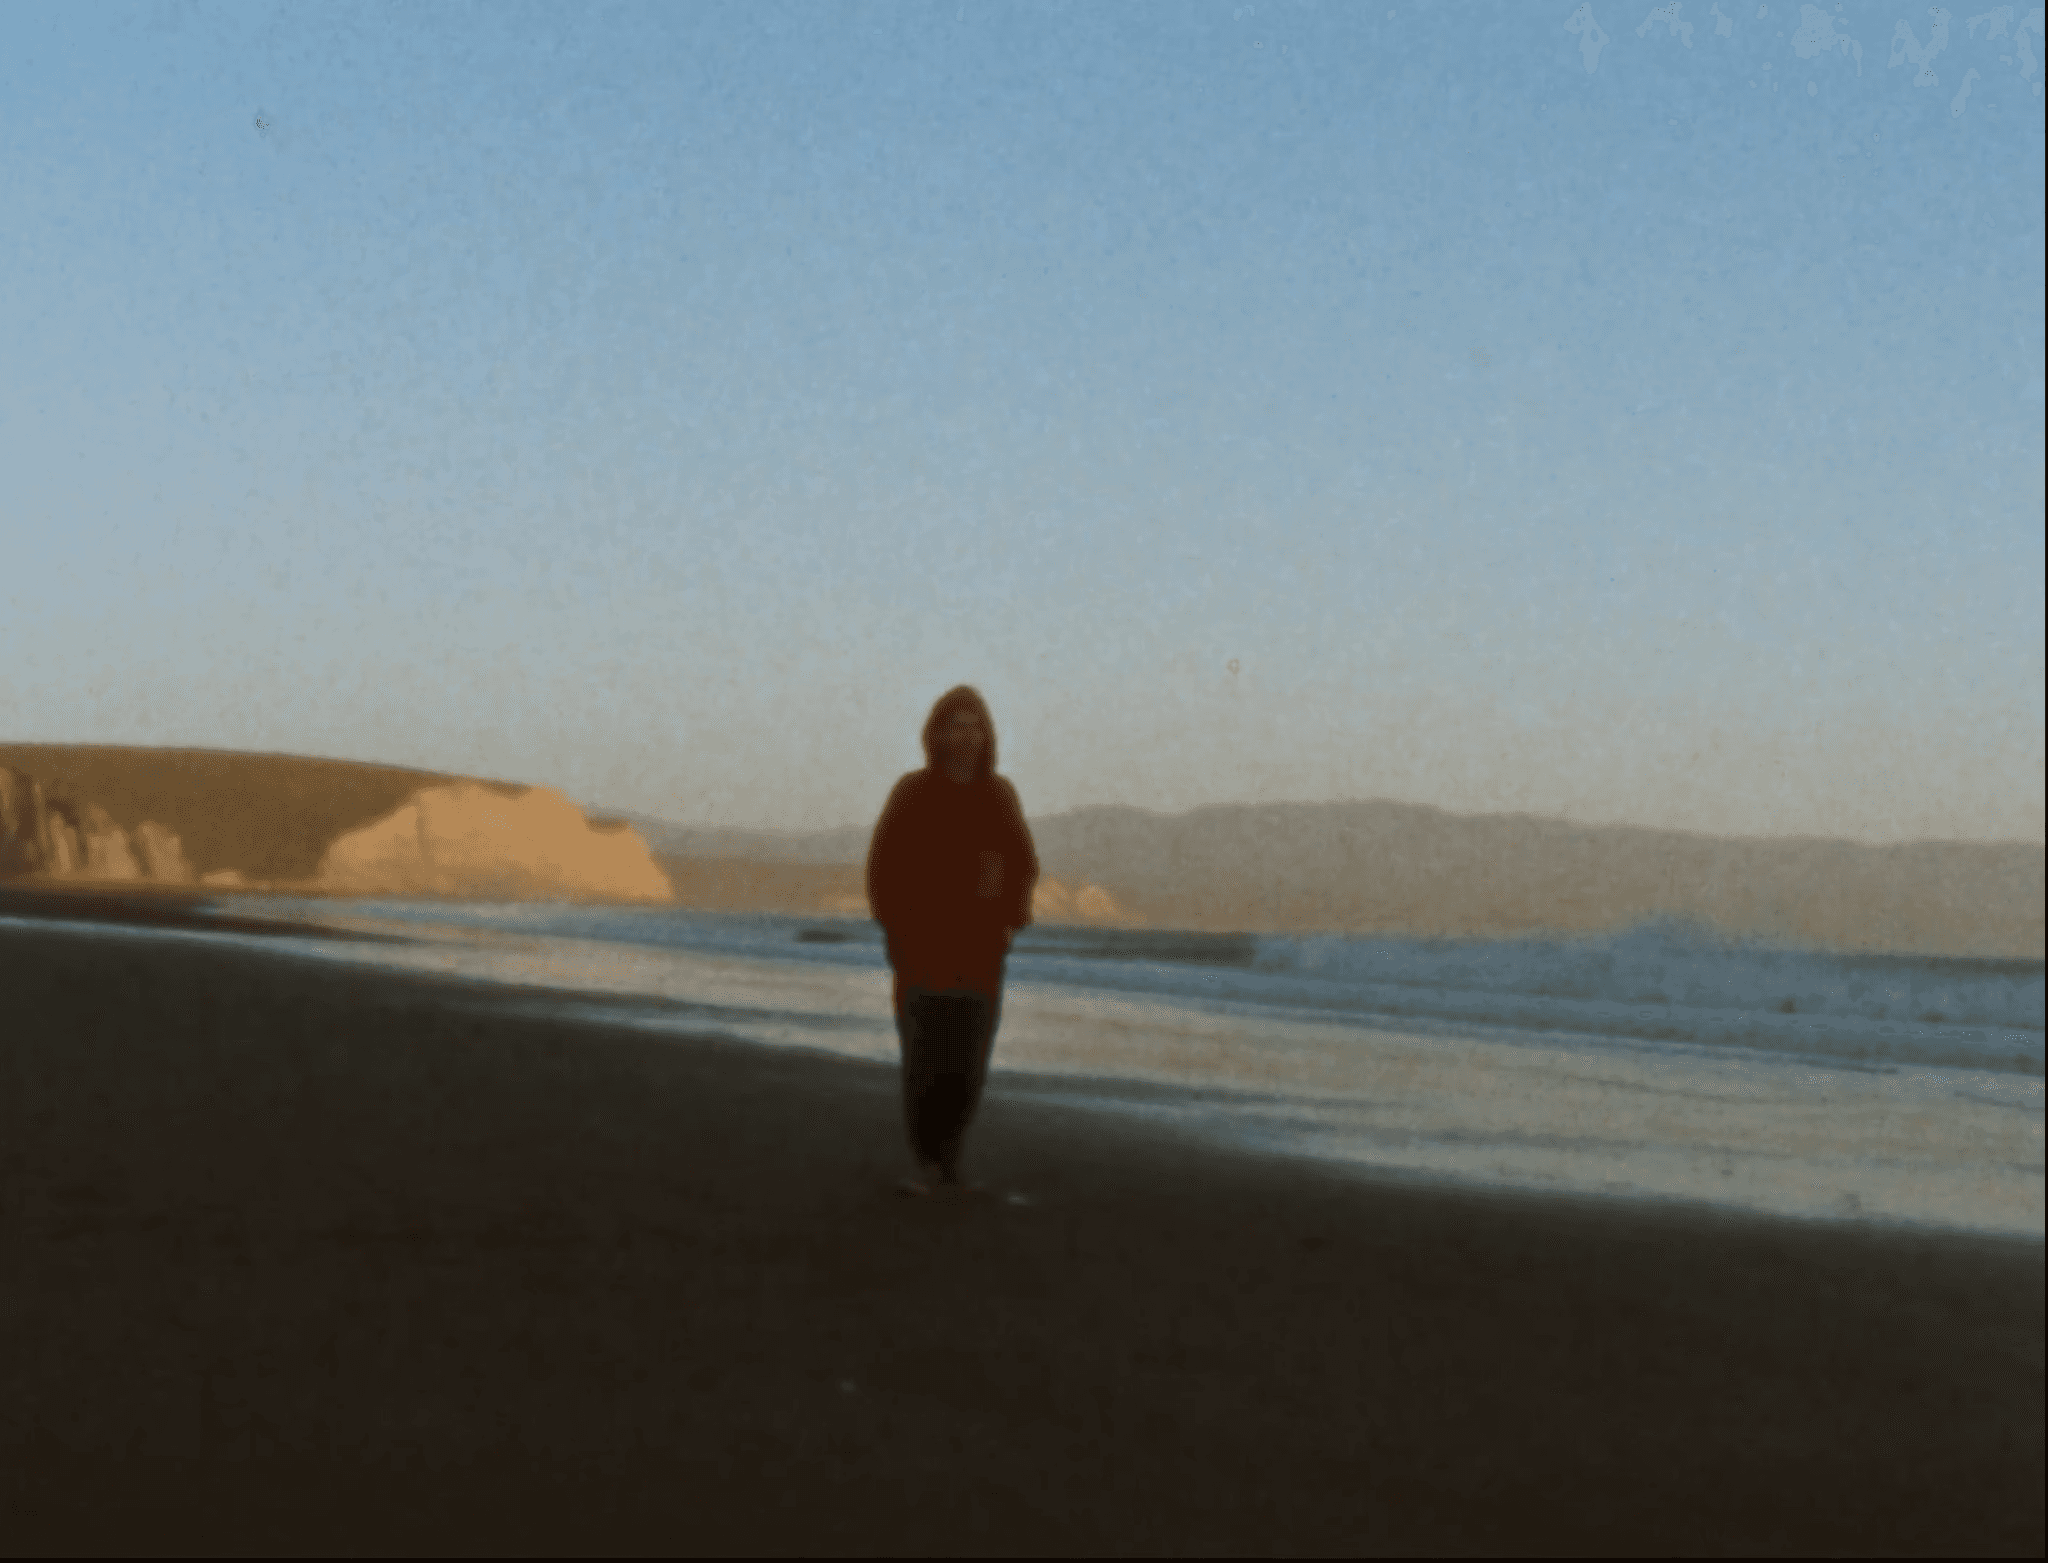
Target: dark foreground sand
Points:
(309, 1260)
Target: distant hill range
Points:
(1409, 869)
(1350, 867)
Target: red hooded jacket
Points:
(951, 869)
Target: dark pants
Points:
(946, 1038)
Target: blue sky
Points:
(1447, 403)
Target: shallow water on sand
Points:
(1522, 1072)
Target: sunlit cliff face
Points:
(468, 840)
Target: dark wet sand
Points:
(309, 1260)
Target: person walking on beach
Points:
(950, 872)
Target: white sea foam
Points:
(1662, 983)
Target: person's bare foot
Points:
(920, 1183)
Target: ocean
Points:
(1662, 1063)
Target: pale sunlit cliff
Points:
(474, 841)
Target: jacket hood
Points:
(961, 697)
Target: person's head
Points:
(959, 738)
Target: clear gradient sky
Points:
(1636, 422)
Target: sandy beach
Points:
(307, 1259)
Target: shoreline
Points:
(318, 1258)
(119, 900)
